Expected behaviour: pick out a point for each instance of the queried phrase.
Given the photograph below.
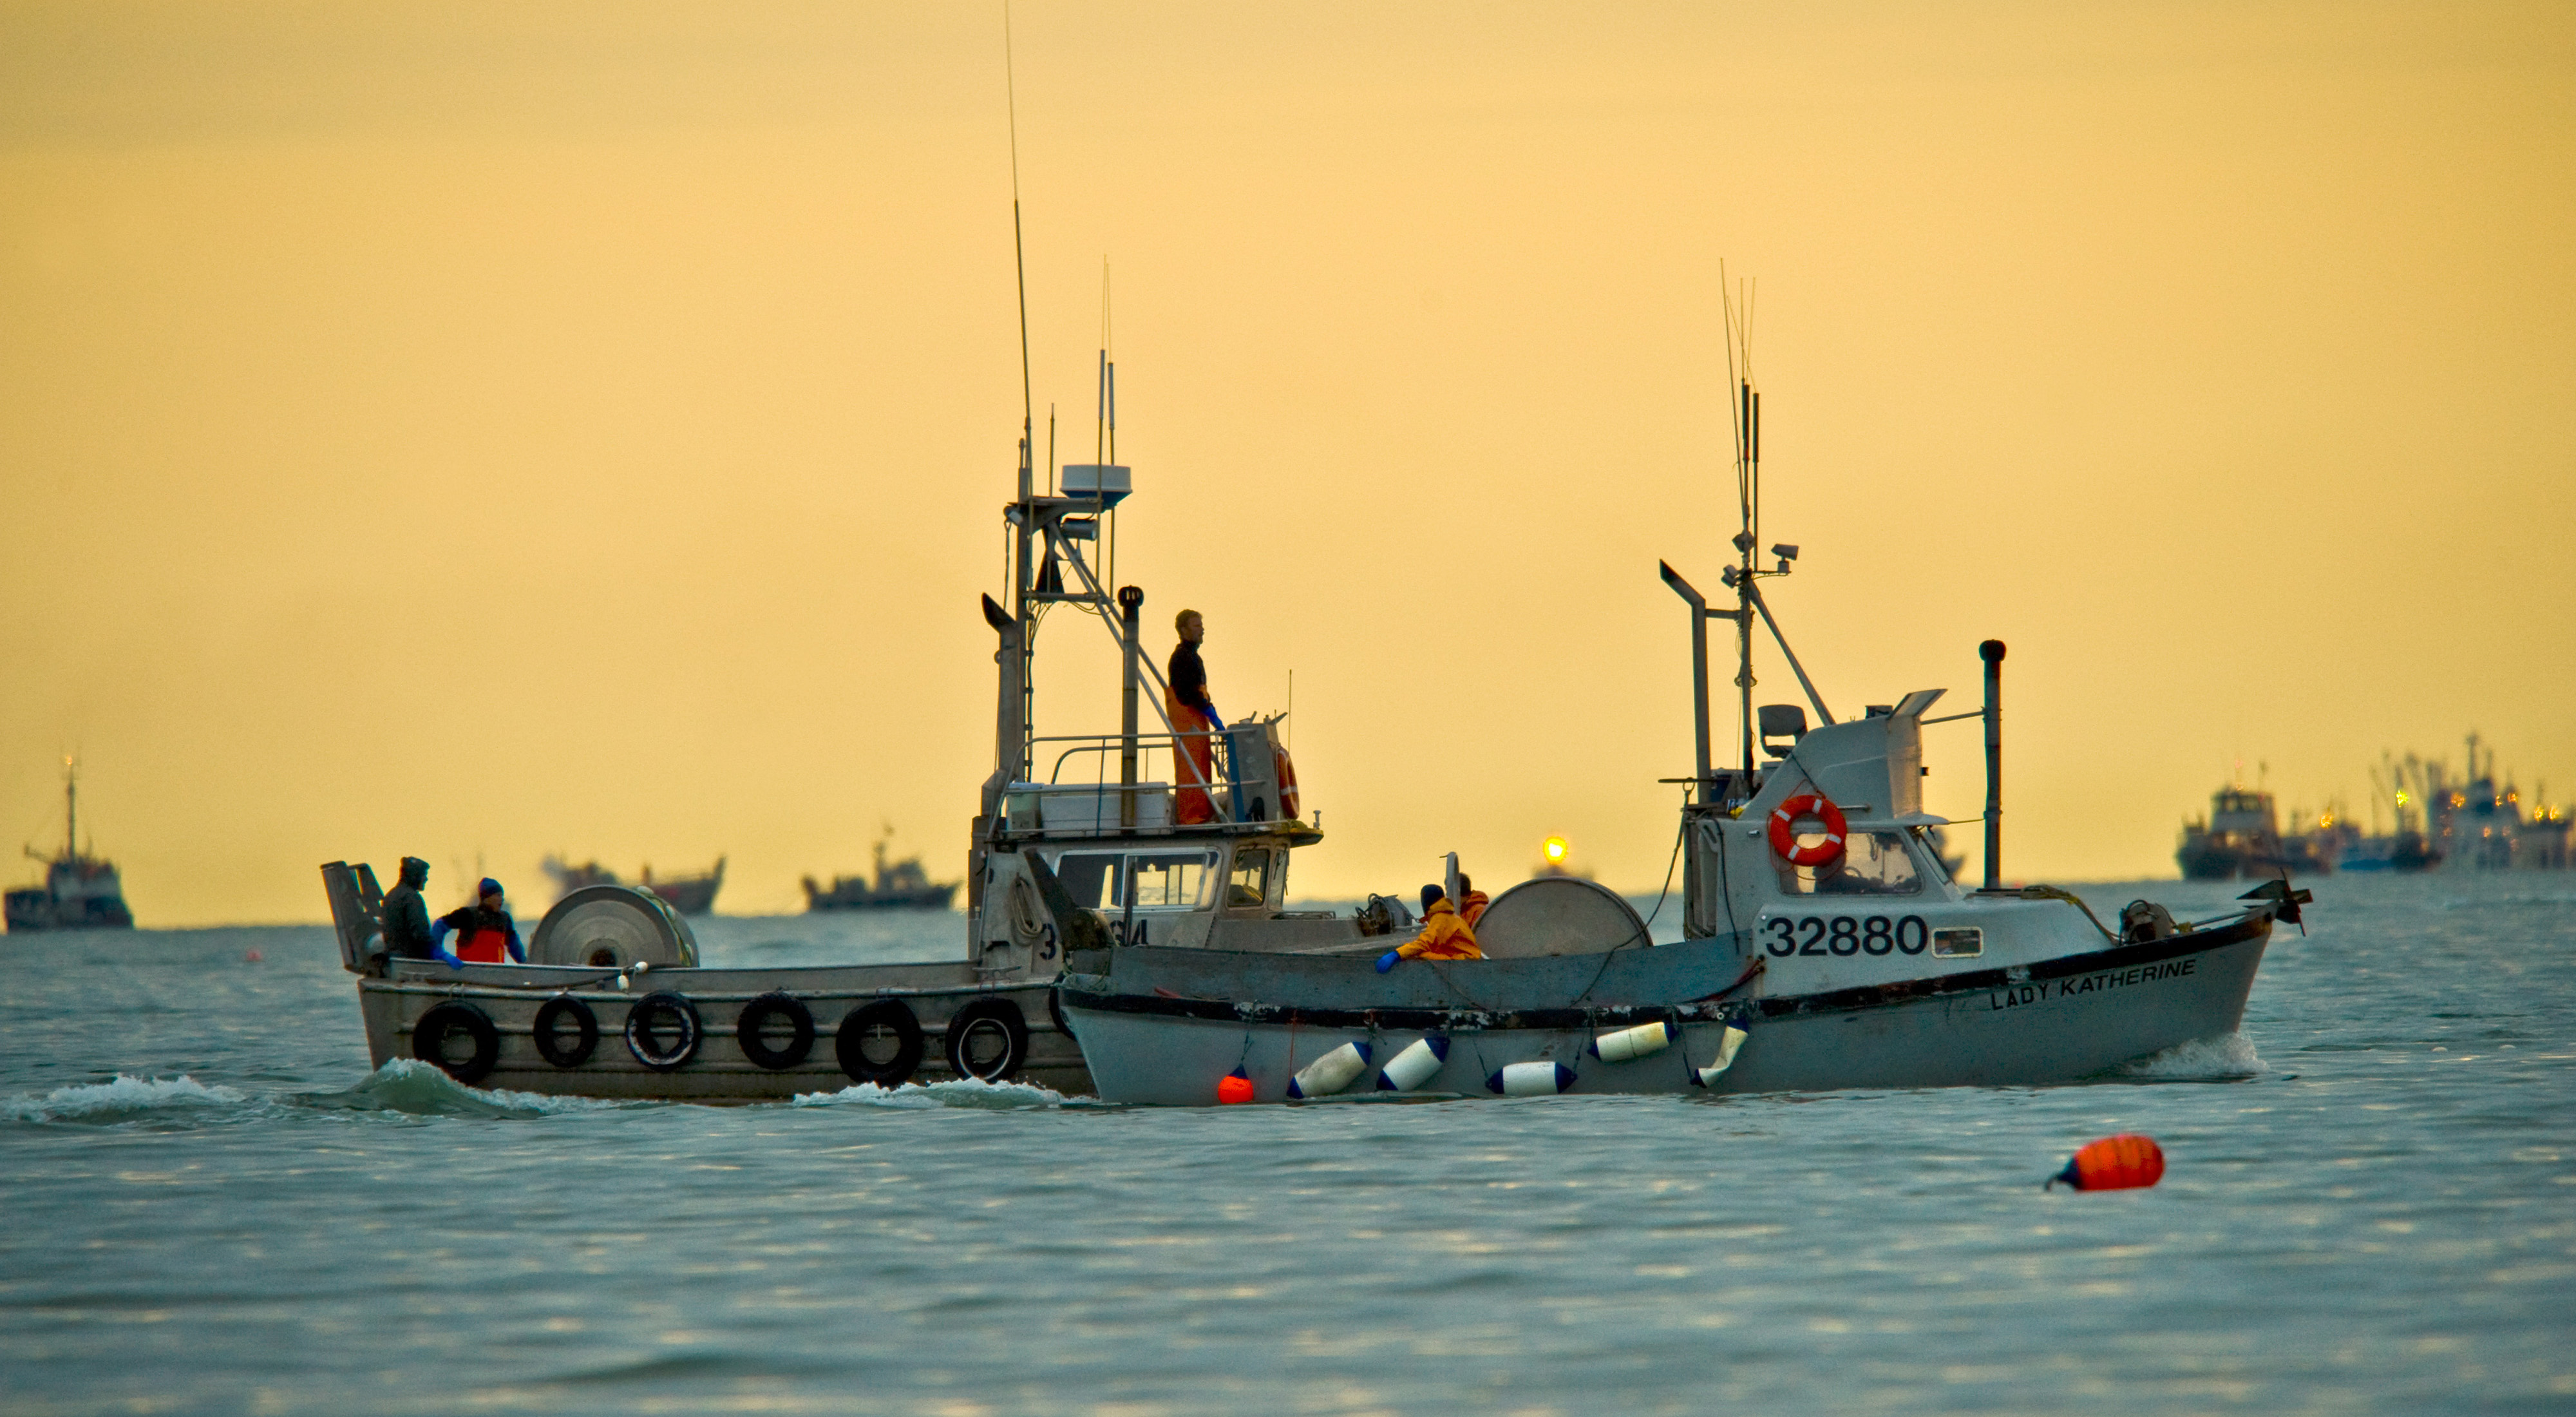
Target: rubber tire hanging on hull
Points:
(642, 1028)
(548, 1034)
(429, 1041)
(757, 1013)
(979, 1022)
(849, 1043)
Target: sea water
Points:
(208, 1203)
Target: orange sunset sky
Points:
(478, 430)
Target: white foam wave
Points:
(2228, 1056)
(958, 1092)
(423, 1089)
(124, 1099)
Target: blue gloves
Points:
(1387, 961)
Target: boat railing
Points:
(1237, 787)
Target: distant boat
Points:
(81, 891)
(2405, 851)
(689, 895)
(901, 885)
(2241, 836)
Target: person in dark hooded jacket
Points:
(406, 915)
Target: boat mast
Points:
(71, 810)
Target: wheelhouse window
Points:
(1250, 884)
(1091, 878)
(1172, 880)
(1872, 863)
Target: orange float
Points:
(1784, 835)
(1233, 1088)
(2125, 1162)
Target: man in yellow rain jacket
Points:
(1444, 935)
(1471, 901)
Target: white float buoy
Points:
(1531, 1080)
(1645, 1040)
(1330, 1073)
(1415, 1065)
(1726, 1046)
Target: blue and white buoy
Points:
(1330, 1073)
(1531, 1080)
(1416, 1065)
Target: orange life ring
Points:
(1287, 783)
(1784, 839)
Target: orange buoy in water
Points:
(1234, 1087)
(251, 958)
(2119, 1163)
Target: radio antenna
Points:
(1019, 251)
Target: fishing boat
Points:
(2241, 837)
(689, 895)
(1077, 844)
(1825, 944)
(899, 885)
(81, 891)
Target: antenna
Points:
(1019, 252)
(1020, 611)
(1748, 492)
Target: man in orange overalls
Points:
(1194, 720)
(483, 930)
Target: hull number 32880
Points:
(1845, 935)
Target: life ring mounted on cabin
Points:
(1784, 835)
(1287, 775)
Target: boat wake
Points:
(127, 1099)
(2226, 1058)
(419, 1089)
(962, 1093)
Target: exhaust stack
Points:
(1992, 652)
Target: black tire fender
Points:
(983, 1022)
(429, 1040)
(848, 1039)
(548, 1031)
(757, 1013)
(657, 1012)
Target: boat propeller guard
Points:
(1784, 838)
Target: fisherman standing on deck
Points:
(406, 916)
(1194, 720)
(484, 929)
(1444, 935)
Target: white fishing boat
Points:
(1825, 944)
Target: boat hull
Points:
(2059, 1021)
(31, 911)
(720, 1068)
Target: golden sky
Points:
(476, 430)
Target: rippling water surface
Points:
(211, 1205)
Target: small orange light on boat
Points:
(2119, 1163)
(1234, 1087)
